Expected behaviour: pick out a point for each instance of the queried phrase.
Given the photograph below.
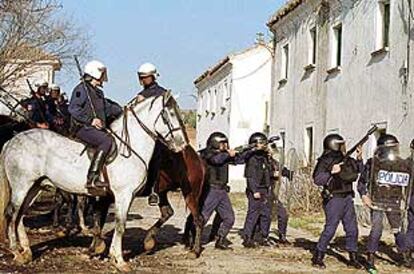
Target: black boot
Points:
(265, 242)
(283, 240)
(371, 261)
(221, 244)
(94, 185)
(317, 260)
(353, 260)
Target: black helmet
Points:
(257, 138)
(215, 139)
(333, 142)
(387, 140)
(412, 144)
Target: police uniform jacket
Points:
(258, 172)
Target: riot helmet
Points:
(147, 69)
(258, 138)
(97, 70)
(215, 139)
(333, 142)
(388, 147)
(412, 144)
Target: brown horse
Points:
(184, 170)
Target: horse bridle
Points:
(124, 139)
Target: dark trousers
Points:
(339, 209)
(218, 200)
(257, 209)
(410, 228)
(394, 218)
(99, 139)
(282, 218)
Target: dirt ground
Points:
(55, 254)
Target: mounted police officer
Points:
(338, 197)
(380, 196)
(217, 157)
(90, 111)
(37, 106)
(258, 171)
(147, 76)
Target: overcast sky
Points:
(181, 37)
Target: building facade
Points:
(233, 97)
(341, 66)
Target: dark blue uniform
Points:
(394, 218)
(152, 90)
(340, 206)
(82, 115)
(258, 175)
(217, 199)
(59, 110)
(38, 110)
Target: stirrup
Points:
(153, 199)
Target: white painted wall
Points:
(248, 77)
(368, 88)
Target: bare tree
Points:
(32, 31)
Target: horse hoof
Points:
(122, 267)
(192, 255)
(23, 258)
(149, 244)
(100, 247)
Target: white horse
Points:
(38, 154)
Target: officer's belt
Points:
(342, 195)
(218, 186)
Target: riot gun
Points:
(243, 148)
(349, 170)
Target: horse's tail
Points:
(4, 199)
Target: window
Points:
(337, 46)
(208, 103)
(283, 136)
(383, 24)
(313, 46)
(285, 62)
(200, 104)
(225, 93)
(214, 101)
(309, 144)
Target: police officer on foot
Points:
(217, 157)
(37, 107)
(258, 174)
(387, 149)
(147, 76)
(90, 111)
(338, 195)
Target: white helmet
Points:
(147, 69)
(54, 87)
(42, 84)
(96, 70)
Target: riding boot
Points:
(93, 180)
(221, 244)
(317, 259)
(371, 261)
(353, 260)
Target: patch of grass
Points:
(310, 222)
(239, 201)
